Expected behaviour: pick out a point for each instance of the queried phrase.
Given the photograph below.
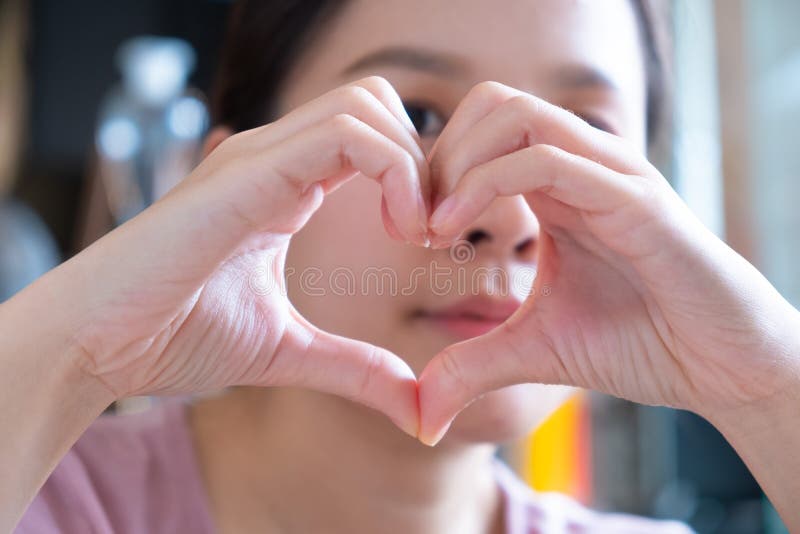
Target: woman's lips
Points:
(470, 317)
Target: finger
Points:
(344, 141)
(309, 357)
(372, 100)
(391, 229)
(516, 352)
(385, 93)
(519, 121)
(479, 102)
(476, 104)
(575, 181)
(460, 374)
(277, 189)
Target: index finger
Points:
(479, 102)
(494, 120)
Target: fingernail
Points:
(409, 429)
(441, 216)
(431, 442)
(393, 232)
(438, 243)
(422, 211)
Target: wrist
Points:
(767, 375)
(765, 436)
(45, 365)
(765, 433)
(41, 322)
(46, 398)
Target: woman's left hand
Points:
(634, 296)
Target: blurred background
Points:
(102, 109)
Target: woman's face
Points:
(344, 272)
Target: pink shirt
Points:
(138, 473)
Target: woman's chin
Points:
(507, 414)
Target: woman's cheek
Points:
(344, 272)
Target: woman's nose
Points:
(506, 232)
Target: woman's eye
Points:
(425, 119)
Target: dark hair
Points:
(655, 33)
(265, 38)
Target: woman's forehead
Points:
(519, 42)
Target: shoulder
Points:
(528, 511)
(127, 473)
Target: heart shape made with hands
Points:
(585, 186)
(504, 142)
(392, 382)
(610, 318)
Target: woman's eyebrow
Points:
(438, 63)
(571, 76)
(579, 76)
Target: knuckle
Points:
(376, 80)
(486, 89)
(651, 191)
(546, 152)
(552, 158)
(379, 85)
(404, 158)
(475, 175)
(372, 369)
(626, 144)
(529, 106)
(344, 122)
(492, 92)
(356, 97)
(231, 142)
(641, 161)
(409, 164)
(403, 161)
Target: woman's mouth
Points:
(470, 317)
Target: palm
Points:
(592, 313)
(231, 331)
(631, 319)
(218, 326)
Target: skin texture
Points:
(641, 302)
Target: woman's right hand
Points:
(190, 295)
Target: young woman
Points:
(396, 132)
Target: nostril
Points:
(525, 247)
(476, 236)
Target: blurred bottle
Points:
(150, 126)
(27, 250)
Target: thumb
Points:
(511, 354)
(312, 358)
